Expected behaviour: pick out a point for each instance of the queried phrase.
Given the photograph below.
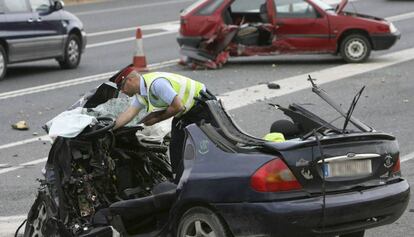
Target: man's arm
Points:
(126, 116)
(175, 107)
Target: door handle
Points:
(39, 19)
(30, 20)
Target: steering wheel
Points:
(104, 124)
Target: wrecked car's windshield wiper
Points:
(351, 108)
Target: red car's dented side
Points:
(212, 30)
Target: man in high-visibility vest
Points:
(164, 95)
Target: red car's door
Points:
(302, 27)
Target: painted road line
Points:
(162, 26)
(24, 165)
(19, 143)
(250, 95)
(407, 157)
(129, 7)
(77, 81)
(401, 17)
(130, 39)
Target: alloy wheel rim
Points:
(356, 49)
(73, 51)
(39, 222)
(2, 64)
(199, 228)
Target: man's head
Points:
(128, 81)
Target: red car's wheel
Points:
(201, 222)
(355, 48)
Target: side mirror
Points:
(58, 5)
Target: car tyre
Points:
(72, 56)
(3, 62)
(355, 234)
(355, 48)
(201, 222)
(40, 223)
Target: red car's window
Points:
(295, 9)
(192, 7)
(247, 5)
(210, 8)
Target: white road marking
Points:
(19, 143)
(129, 7)
(407, 157)
(401, 17)
(129, 39)
(162, 26)
(242, 97)
(20, 166)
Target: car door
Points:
(50, 31)
(19, 31)
(301, 27)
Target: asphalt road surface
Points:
(36, 92)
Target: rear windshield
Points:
(192, 7)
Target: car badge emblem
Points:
(203, 147)
(350, 155)
(306, 173)
(302, 162)
(388, 161)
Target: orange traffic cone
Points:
(139, 60)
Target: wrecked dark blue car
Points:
(325, 180)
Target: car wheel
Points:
(355, 48)
(3, 63)
(72, 55)
(40, 223)
(355, 234)
(201, 222)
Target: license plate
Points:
(348, 168)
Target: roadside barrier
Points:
(139, 59)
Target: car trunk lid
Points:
(350, 161)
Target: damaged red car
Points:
(213, 30)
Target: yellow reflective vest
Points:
(185, 88)
(274, 137)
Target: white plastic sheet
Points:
(70, 123)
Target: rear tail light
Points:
(396, 169)
(274, 176)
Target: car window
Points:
(192, 7)
(210, 8)
(247, 5)
(1, 7)
(40, 5)
(294, 9)
(16, 6)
